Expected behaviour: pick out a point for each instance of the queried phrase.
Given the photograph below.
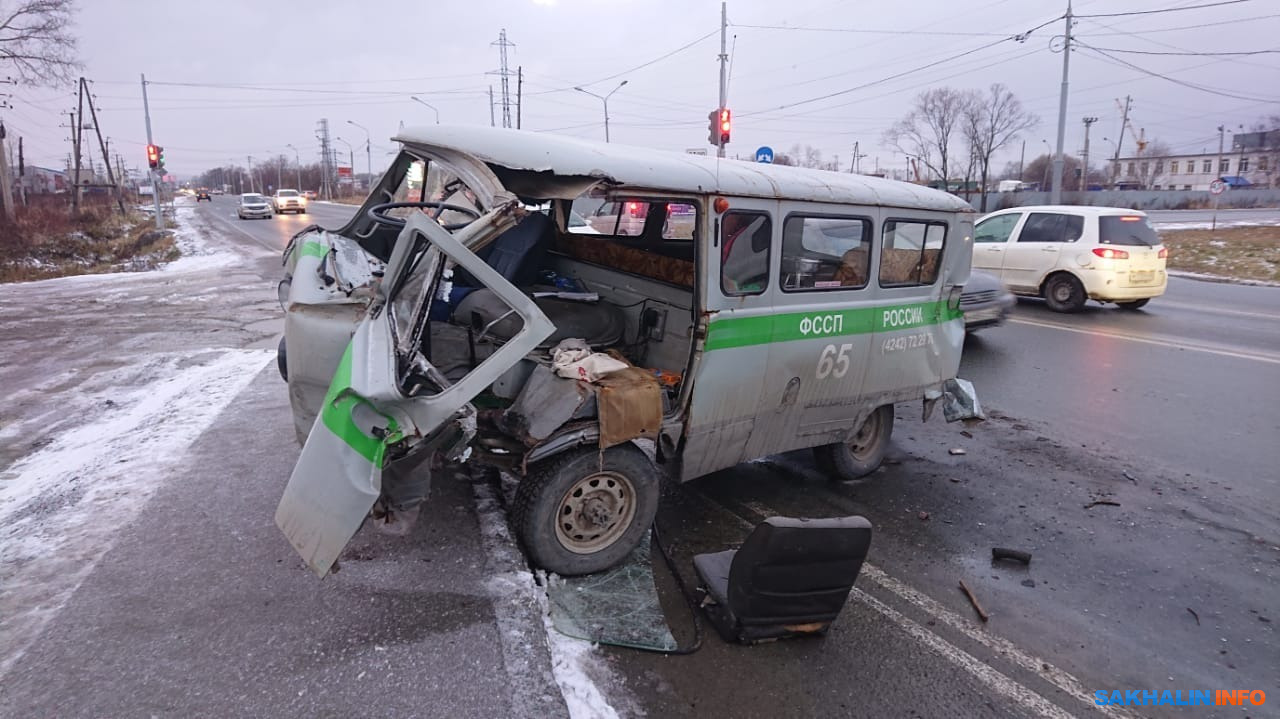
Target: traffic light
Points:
(153, 156)
(725, 118)
(160, 151)
(713, 132)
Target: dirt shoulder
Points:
(46, 241)
(1233, 253)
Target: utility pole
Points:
(5, 189)
(1021, 159)
(155, 183)
(724, 87)
(1055, 194)
(856, 164)
(106, 158)
(1222, 135)
(1115, 161)
(79, 132)
(22, 174)
(519, 93)
(492, 121)
(1084, 171)
(251, 187)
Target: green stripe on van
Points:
(748, 331)
(339, 403)
(313, 249)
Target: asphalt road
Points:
(189, 602)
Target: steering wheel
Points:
(377, 213)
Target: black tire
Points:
(1133, 304)
(281, 363)
(1064, 293)
(624, 497)
(847, 461)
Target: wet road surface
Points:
(198, 606)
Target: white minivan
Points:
(1069, 254)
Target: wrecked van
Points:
(747, 309)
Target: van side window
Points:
(745, 238)
(824, 253)
(996, 229)
(1051, 227)
(911, 252)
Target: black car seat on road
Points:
(790, 577)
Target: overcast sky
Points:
(233, 78)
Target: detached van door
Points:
(728, 376)
(386, 397)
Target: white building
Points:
(1251, 161)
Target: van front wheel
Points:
(862, 455)
(581, 512)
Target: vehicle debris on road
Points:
(999, 553)
(982, 614)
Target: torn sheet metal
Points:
(546, 402)
(960, 401)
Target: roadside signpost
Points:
(765, 155)
(1216, 188)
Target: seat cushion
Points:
(600, 324)
(713, 570)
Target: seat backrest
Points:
(516, 254)
(792, 571)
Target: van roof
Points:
(646, 168)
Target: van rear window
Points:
(1126, 230)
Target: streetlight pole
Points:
(605, 100)
(433, 108)
(351, 157)
(298, 159)
(368, 152)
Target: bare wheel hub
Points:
(867, 437)
(595, 512)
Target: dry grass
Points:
(45, 241)
(1240, 253)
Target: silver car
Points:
(985, 301)
(253, 205)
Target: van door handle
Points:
(1048, 249)
(994, 249)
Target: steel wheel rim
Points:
(867, 437)
(1063, 291)
(595, 512)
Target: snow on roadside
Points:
(1176, 226)
(197, 254)
(122, 434)
(519, 603)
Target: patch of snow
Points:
(119, 437)
(1175, 226)
(575, 666)
(197, 254)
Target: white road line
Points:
(1225, 352)
(1001, 684)
(1059, 678)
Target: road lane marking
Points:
(1240, 353)
(1001, 683)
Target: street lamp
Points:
(297, 159)
(605, 100)
(433, 109)
(351, 158)
(368, 151)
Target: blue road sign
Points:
(765, 155)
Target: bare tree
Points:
(1152, 161)
(928, 130)
(36, 40)
(992, 121)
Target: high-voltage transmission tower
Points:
(505, 73)
(326, 158)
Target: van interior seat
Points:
(904, 266)
(591, 248)
(516, 254)
(852, 271)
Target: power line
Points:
(1176, 81)
(628, 71)
(1168, 9)
(1188, 52)
(1183, 27)
(863, 31)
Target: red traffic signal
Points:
(153, 156)
(725, 123)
